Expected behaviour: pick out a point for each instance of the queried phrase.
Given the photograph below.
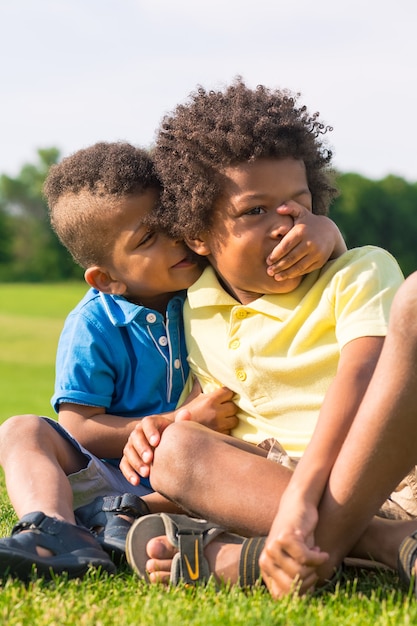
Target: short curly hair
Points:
(218, 129)
(85, 188)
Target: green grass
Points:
(31, 317)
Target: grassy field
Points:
(31, 317)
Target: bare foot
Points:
(382, 539)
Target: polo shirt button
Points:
(241, 314)
(163, 341)
(241, 375)
(177, 364)
(151, 318)
(234, 344)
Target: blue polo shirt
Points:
(123, 357)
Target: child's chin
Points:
(286, 286)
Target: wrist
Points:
(308, 488)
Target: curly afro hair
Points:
(215, 130)
(85, 189)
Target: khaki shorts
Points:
(98, 478)
(402, 503)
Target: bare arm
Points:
(290, 549)
(105, 435)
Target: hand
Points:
(290, 559)
(138, 451)
(310, 243)
(215, 410)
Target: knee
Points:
(175, 455)
(19, 429)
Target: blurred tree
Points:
(6, 236)
(382, 213)
(34, 253)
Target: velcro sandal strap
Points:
(127, 504)
(37, 521)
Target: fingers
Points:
(294, 209)
(290, 566)
(138, 451)
(226, 424)
(298, 254)
(298, 268)
(282, 585)
(215, 410)
(132, 466)
(129, 471)
(223, 394)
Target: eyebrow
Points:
(141, 225)
(261, 196)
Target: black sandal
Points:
(102, 518)
(74, 549)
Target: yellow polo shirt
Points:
(280, 353)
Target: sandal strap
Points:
(38, 521)
(190, 536)
(407, 555)
(103, 517)
(190, 565)
(249, 570)
(126, 504)
(94, 513)
(73, 549)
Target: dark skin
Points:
(298, 510)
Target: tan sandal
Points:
(190, 536)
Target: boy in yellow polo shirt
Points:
(299, 353)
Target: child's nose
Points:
(281, 225)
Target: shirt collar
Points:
(207, 291)
(121, 312)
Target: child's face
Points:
(148, 264)
(246, 225)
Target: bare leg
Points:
(381, 446)
(379, 450)
(36, 461)
(219, 478)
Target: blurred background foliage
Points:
(378, 212)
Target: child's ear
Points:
(199, 246)
(100, 279)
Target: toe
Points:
(160, 548)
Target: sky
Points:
(75, 72)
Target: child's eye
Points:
(256, 210)
(146, 238)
